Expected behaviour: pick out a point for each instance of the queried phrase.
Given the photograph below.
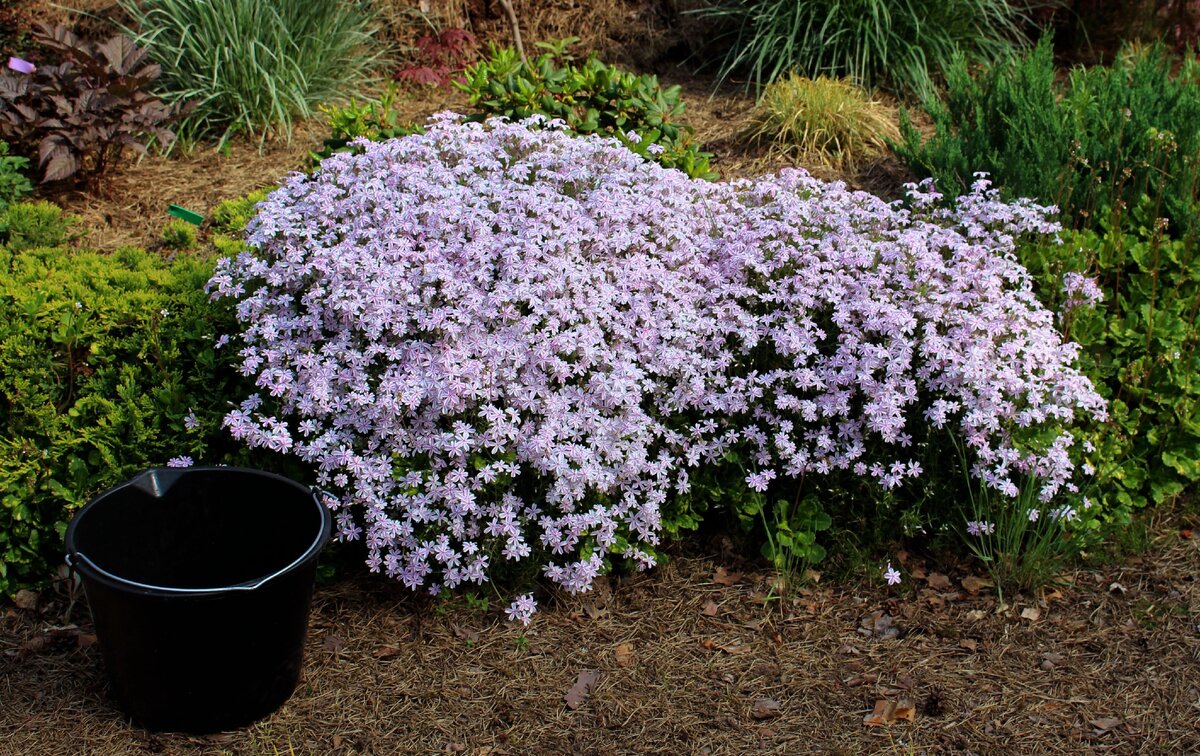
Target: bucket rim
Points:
(81, 563)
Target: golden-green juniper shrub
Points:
(107, 366)
(36, 224)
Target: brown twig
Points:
(516, 28)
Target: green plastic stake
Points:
(184, 214)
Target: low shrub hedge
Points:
(108, 365)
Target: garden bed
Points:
(702, 654)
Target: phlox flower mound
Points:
(498, 342)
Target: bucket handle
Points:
(247, 586)
(319, 494)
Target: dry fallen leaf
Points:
(337, 742)
(726, 578)
(887, 712)
(386, 652)
(938, 581)
(711, 645)
(1107, 723)
(766, 708)
(593, 611)
(710, 609)
(975, 584)
(976, 614)
(582, 688)
(1031, 613)
(83, 640)
(1117, 588)
(333, 644)
(464, 633)
(26, 600)
(878, 625)
(969, 644)
(624, 654)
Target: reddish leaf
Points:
(710, 609)
(766, 708)
(579, 692)
(60, 166)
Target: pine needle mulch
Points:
(694, 658)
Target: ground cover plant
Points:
(252, 66)
(14, 184)
(543, 336)
(904, 46)
(108, 365)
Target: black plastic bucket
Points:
(199, 581)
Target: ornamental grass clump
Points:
(500, 343)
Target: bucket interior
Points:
(199, 528)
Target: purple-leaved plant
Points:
(499, 342)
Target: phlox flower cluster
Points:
(499, 343)
(1080, 291)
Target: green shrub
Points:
(36, 224)
(179, 235)
(592, 98)
(14, 184)
(903, 46)
(830, 121)
(255, 66)
(1139, 348)
(1105, 138)
(376, 120)
(107, 366)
